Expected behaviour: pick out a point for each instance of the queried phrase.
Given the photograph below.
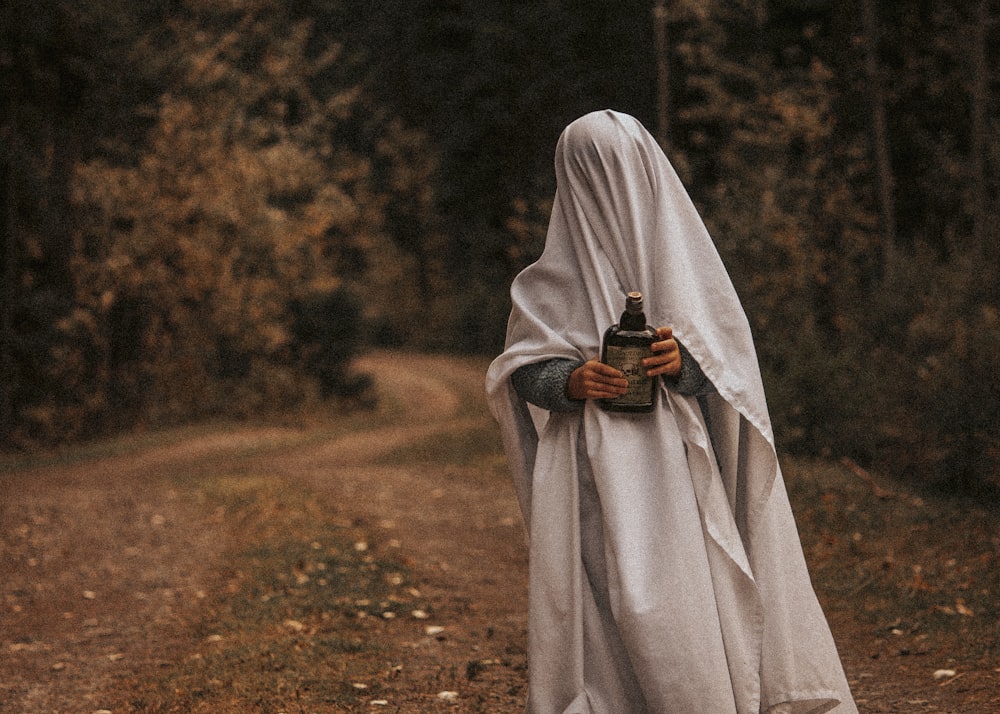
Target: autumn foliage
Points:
(211, 206)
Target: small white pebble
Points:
(433, 630)
(944, 674)
(448, 696)
(359, 685)
(419, 615)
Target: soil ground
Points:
(376, 562)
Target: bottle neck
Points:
(632, 321)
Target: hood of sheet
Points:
(622, 221)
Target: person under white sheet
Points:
(666, 573)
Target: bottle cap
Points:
(633, 303)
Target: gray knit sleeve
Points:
(544, 384)
(691, 381)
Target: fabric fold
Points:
(666, 573)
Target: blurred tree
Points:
(979, 100)
(328, 331)
(880, 133)
(492, 85)
(241, 207)
(302, 155)
(755, 137)
(66, 84)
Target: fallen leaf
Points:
(962, 609)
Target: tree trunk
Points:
(979, 102)
(662, 74)
(7, 291)
(880, 136)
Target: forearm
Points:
(691, 381)
(544, 384)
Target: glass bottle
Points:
(624, 347)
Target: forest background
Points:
(210, 207)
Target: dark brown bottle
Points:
(624, 347)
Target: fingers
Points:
(604, 372)
(665, 363)
(667, 357)
(602, 381)
(596, 380)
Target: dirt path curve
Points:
(110, 563)
(104, 562)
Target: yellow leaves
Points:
(807, 119)
(238, 205)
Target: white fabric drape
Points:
(666, 573)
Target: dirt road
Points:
(106, 560)
(111, 563)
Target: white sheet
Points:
(666, 573)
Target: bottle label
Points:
(628, 360)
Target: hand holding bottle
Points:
(595, 380)
(667, 357)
